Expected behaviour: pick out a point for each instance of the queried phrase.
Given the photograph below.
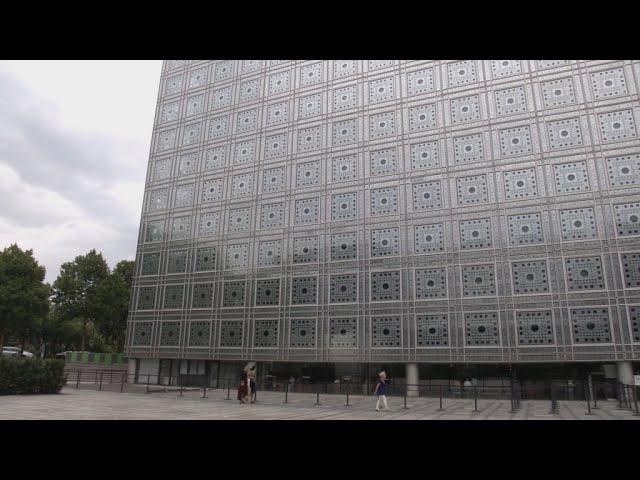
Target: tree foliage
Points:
(23, 293)
(76, 290)
(86, 309)
(113, 300)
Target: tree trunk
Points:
(1, 341)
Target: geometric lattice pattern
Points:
(303, 333)
(386, 332)
(627, 218)
(578, 224)
(431, 283)
(432, 330)
(631, 269)
(525, 229)
(624, 170)
(266, 334)
(634, 319)
(482, 329)
(304, 290)
(199, 334)
(520, 184)
(591, 325)
(343, 332)
(231, 333)
(584, 273)
(385, 286)
(535, 327)
(329, 198)
(142, 333)
(475, 233)
(530, 277)
(478, 280)
(170, 334)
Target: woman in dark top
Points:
(243, 390)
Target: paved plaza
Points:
(86, 404)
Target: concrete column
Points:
(625, 372)
(131, 370)
(412, 379)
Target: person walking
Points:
(252, 374)
(243, 387)
(381, 391)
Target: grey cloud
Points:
(78, 168)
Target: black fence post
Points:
(440, 409)
(286, 394)
(619, 395)
(78, 373)
(634, 393)
(513, 398)
(204, 391)
(228, 389)
(148, 377)
(100, 388)
(96, 380)
(587, 394)
(593, 393)
(318, 397)
(347, 404)
(405, 396)
(122, 380)
(181, 386)
(475, 398)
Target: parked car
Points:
(15, 352)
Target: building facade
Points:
(390, 212)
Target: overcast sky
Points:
(74, 147)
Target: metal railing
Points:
(515, 391)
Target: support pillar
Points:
(131, 371)
(625, 372)
(412, 379)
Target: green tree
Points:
(23, 293)
(113, 299)
(75, 291)
(57, 333)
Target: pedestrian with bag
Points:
(381, 392)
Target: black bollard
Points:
(204, 390)
(78, 379)
(619, 390)
(634, 394)
(122, 382)
(286, 394)
(347, 404)
(318, 397)
(228, 390)
(148, 382)
(405, 397)
(475, 398)
(587, 394)
(440, 409)
(100, 388)
(592, 393)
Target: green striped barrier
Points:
(97, 358)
